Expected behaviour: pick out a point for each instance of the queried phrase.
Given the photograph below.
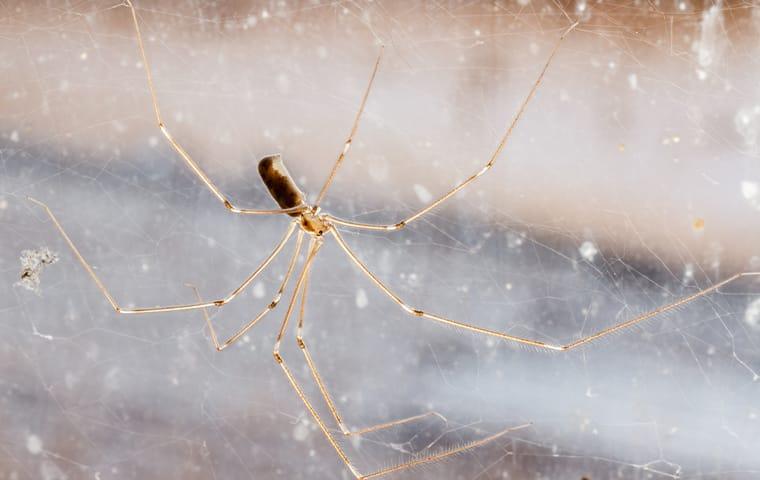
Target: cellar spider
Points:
(308, 220)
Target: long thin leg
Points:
(323, 388)
(181, 151)
(275, 300)
(347, 144)
(401, 224)
(535, 343)
(169, 308)
(300, 283)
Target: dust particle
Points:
(361, 298)
(259, 290)
(32, 264)
(588, 250)
(422, 193)
(34, 444)
(752, 314)
(300, 432)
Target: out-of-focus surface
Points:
(633, 178)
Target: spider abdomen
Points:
(280, 184)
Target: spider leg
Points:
(314, 247)
(526, 341)
(169, 308)
(505, 137)
(323, 388)
(347, 144)
(271, 306)
(179, 149)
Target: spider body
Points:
(286, 193)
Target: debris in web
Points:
(32, 264)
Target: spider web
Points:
(632, 179)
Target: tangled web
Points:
(632, 180)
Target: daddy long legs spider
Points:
(308, 220)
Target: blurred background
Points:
(631, 180)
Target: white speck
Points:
(153, 141)
(71, 380)
(688, 272)
(588, 250)
(119, 126)
(378, 168)
(633, 81)
(144, 267)
(361, 298)
(34, 444)
(111, 381)
(265, 14)
(83, 56)
(747, 124)
(751, 193)
(300, 432)
(258, 290)
(508, 286)
(3, 203)
(422, 193)
(283, 83)
(523, 3)
(412, 278)
(51, 471)
(711, 42)
(14, 136)
(251, 20)
(514, 240)
(752, 314)
(750, 190)
(701, 74)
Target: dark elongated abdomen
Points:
(280, 184)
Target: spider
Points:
(309, 221)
